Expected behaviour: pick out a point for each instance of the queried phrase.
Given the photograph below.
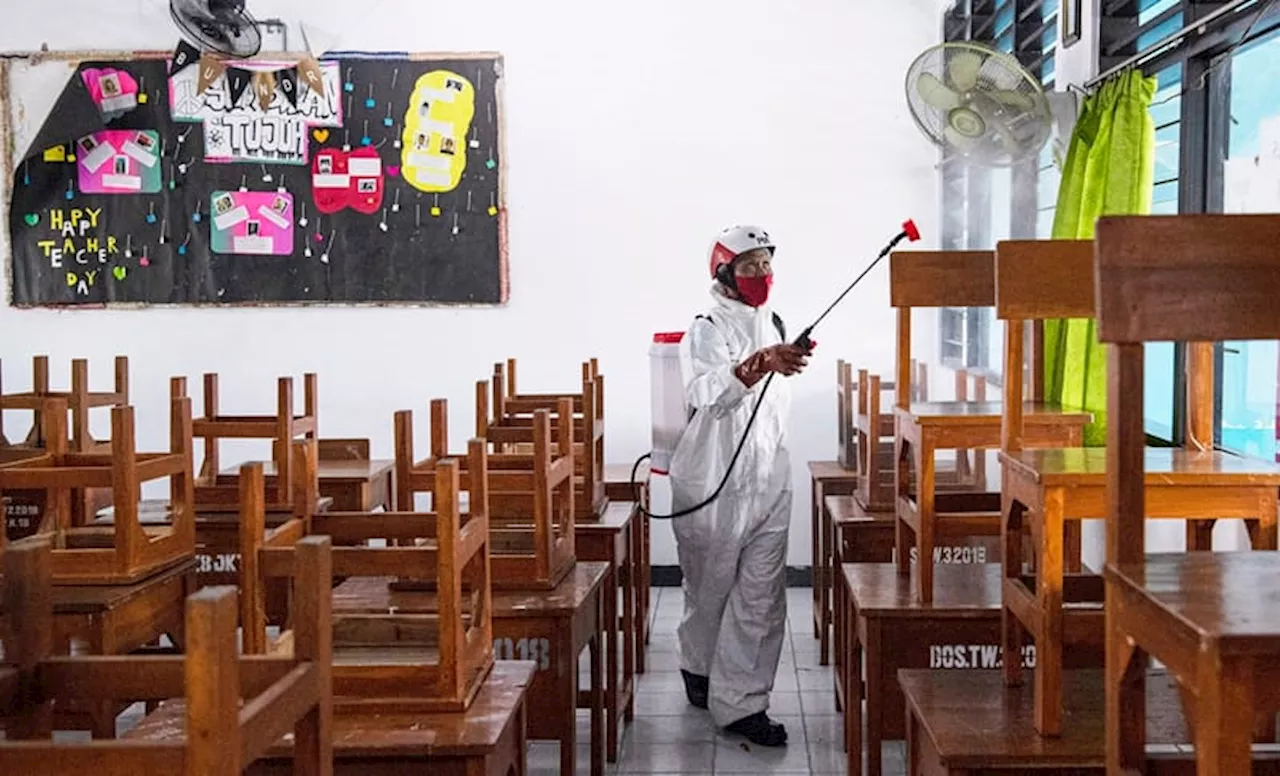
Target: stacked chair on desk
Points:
(605, 530)
(79, 400)
(120, 586)
(547, 605)
(217, 734)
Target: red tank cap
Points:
(668, 338)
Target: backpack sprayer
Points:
(909, 232)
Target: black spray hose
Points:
(803, 342)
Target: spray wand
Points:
(909, 232)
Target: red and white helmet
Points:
(735, 241)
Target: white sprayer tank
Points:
(666, 384)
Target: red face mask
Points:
(754, 290)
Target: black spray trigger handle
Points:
(803, 342)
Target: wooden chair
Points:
(126, 551)
(531, 514)
(1208, 616)
(510, 430)
(280, 695)
(216, 491)
(384, 661)
(1054, 489)
(950, 279)
(79, 400)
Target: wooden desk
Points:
(610, 540)
(354, 486)
(488, 739)
(927, 427)
(217, 538)
(1052, 487)
(550, 627)
(867, 537)
(969, 723)
(825, 478)
(1209, 617)
(617, 487)
(116, 620)
(892, 629)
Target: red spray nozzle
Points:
(910, 230)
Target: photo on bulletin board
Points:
(364, 179)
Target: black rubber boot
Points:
(696, 687)
(760, 730)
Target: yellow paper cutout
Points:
(56, 154)
(434, 145)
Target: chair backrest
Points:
(934, 279)
(1200, 279)
(1036, 280)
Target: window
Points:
(1208, 132)
(984, 206)
(1245, 84)
(1160, 373)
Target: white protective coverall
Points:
(732, 552)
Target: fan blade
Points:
(1013, 99)
(963, 68)
(936, 93)
(959, 141)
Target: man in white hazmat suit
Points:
(733, 552)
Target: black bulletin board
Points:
(125, 232)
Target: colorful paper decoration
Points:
(340, 180)
(264, 87)
(436, 123)
(184, 56)
(252, 222)
(309, 69)
(119, 162)
(237, 81)
(114, 91)
(288, 79)
(211, 69)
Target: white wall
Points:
(693, 116)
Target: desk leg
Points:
(609, 601)
(838, 625)
(597, 696)
(628, 628)
(815, 527)
(828, 579)
(640, 585)
(646, 591)
(875, 698)
(569, 714)
(1011, 515)
(925, 537)
(1224, 715)
(853, 705)
(1048, 673)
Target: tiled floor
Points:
(669, 736)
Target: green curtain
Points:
(1109, 170)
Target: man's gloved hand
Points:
(784, 359)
